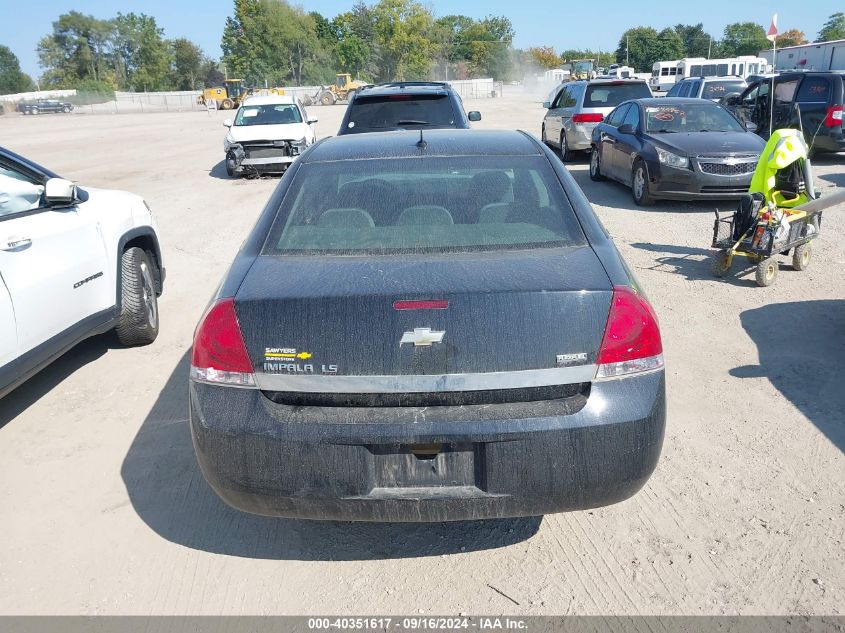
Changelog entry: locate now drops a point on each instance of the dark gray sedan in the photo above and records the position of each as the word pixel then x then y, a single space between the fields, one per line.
pixel 427 328
pixel 675 149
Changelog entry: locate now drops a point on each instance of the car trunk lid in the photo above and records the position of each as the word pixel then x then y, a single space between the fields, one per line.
pixel 336 317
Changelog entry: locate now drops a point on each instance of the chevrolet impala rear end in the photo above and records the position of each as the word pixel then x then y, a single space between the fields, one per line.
pixel 399 339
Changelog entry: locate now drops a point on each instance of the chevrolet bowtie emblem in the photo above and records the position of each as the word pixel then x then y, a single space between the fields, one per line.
pixel 422 337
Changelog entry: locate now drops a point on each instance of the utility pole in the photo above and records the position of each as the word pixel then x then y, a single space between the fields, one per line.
pixel 709 45
pixel 627 46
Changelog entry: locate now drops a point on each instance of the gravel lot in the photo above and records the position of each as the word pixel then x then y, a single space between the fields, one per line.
pixel 103 509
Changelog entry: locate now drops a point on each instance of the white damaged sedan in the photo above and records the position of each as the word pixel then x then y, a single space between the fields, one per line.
pixel 268 133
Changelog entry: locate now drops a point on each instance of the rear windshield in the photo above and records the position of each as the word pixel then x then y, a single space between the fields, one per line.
pixel 718 89
pixel 392 112
pixel 814 90
pixel 424 205
pixel 611 95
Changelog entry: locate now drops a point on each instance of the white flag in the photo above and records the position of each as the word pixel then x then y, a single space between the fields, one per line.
pixel 773 29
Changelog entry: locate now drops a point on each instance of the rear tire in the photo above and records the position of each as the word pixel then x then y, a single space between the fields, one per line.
pixel 801 256
pixel 66 110
pixel 767 272
pixel 327 98
pixel 639 185
pixel 595 166
pixel 138 320
pixel 307 101
pixel 227 104
pixel 350 96
pixel 565 153
pixel 720 266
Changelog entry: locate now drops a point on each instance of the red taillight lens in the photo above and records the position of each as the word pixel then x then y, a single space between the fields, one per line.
pixel 631 342
pixel 587 118
pixel 422 304
pixel 834 116
pixel 219 354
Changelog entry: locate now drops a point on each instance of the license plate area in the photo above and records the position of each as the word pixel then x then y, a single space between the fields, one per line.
pixel 420 466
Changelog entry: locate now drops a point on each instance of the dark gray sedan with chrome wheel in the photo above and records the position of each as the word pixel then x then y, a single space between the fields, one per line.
pixel 675 149
pixel 399 340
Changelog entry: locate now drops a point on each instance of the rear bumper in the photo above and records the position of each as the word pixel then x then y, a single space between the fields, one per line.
pixel 833 141
pixel 691 184
pixel 579 135
pixel 312 463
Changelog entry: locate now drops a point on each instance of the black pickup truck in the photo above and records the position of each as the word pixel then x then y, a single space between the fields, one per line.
pixel 43 106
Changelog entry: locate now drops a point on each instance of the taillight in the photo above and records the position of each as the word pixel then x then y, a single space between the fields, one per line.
pixel 587 118
pixel 834 116
pixel 424 304
pixel 631 342
pixel 219 355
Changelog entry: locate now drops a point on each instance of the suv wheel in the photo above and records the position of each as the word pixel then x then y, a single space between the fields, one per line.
pixel 138 320
pixel 639 185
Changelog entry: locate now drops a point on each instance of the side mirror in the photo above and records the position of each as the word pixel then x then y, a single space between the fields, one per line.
pixel 627 129
pixel 228 122
pixel 751 126
pixel 474 116
pixel 547 104
pixel 312 119
pixel 59 191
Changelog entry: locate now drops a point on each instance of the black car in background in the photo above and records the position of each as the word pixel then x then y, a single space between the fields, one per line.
pixel 812 101
pixel 675 149
pixel 409 105
pixel 468 344
pixel 44 106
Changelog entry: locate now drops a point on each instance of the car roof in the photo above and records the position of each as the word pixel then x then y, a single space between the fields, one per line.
pixel 402 87
pixel 719 78
pixel 269 100
pixel 439 142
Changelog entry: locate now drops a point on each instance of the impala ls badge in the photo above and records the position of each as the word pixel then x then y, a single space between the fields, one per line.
pixel 422 337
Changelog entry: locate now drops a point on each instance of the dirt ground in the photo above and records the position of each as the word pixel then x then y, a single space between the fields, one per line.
pixel 103 509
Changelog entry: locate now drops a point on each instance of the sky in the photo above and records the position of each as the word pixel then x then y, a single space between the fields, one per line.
pixel 563 25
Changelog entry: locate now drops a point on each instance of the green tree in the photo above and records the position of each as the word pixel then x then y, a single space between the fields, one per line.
pixel 79 48
pixel 669 46
pixel 833 29
pixel 697 42
pixel 403 29
pixel 640 47
pixel 12 79
pixel 187 68
pixel 743 38
pixel 144 56
pixel 240 33
pixel 210 74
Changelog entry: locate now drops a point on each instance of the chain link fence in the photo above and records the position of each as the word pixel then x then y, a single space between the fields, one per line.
pixel 88 102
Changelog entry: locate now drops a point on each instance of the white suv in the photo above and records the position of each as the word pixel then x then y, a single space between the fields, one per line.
pixel 73 263
pixel 268 133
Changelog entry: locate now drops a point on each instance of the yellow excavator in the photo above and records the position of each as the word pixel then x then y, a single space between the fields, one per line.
pixel 230 95
pixel 343 89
